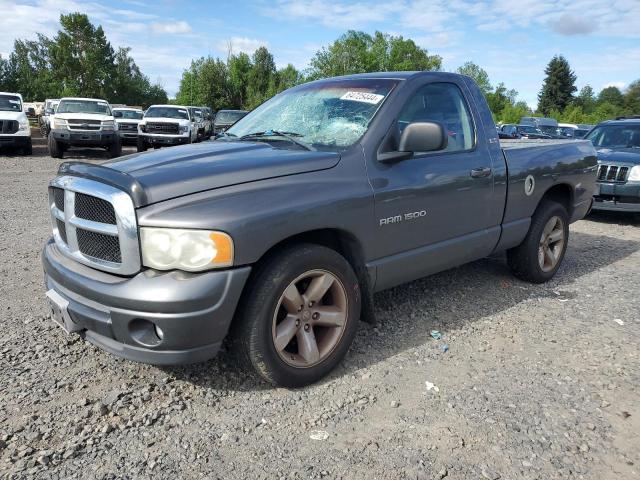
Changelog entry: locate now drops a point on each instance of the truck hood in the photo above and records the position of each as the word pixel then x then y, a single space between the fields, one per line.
pixel 19 116
pixel 622 155
pixel 177 171
pixel 83 116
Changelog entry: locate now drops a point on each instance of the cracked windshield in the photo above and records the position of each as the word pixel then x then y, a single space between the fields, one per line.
pixel 327 117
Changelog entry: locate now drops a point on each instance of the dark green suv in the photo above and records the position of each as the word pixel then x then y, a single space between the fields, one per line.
pixel 618 145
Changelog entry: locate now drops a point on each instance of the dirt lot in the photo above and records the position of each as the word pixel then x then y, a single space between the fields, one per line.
pixel 539 382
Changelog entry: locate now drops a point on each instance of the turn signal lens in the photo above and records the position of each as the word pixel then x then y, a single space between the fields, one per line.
pixel 190 250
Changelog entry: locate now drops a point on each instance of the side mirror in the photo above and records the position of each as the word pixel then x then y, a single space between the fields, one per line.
pixel 417 137
pixel 423 137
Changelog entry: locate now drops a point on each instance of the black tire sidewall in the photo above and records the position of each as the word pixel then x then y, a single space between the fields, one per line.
pixel 265 292
pixel 529 254
pixel 55 149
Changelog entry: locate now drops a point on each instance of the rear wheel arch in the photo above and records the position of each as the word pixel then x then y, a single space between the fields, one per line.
pixel 561 193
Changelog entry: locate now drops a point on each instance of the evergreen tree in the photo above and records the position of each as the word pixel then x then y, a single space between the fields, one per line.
pixel 611 95
pixel 558 87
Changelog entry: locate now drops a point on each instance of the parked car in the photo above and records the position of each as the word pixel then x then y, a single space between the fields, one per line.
pixel 281 230
pixel 197 119
pixel 166 125
pixel 226 118
pixel 50 105
pixel 523 131
pixel 128 120
pixel 618 145
pixel 15 131
pixel 546 125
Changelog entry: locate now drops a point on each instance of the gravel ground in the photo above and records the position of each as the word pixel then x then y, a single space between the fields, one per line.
pixel 539 382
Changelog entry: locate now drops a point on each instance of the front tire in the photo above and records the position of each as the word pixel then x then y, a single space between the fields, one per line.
pixel 141 145
pixel 299 315
pixel 539 256
pixel 27 150
pixel 55 148
pixel 115 149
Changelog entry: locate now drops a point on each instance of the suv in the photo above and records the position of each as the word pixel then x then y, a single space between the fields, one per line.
pixel 83 122
pixel 128 120
pixel 50 105
pixel 165 125
pixel 226 118
pixel 14 125
pixel 618 145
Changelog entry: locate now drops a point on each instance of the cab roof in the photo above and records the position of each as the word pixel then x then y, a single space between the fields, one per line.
pixel 85 99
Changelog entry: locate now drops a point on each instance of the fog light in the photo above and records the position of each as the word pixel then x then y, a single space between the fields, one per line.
pixel 145 333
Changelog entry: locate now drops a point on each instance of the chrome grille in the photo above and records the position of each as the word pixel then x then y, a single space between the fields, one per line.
pixel 96 225
pixel 612 173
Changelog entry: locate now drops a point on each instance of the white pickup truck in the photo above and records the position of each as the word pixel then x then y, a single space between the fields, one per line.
pixel 83 122
pixel 128 120
pixel 15 131
pixel 166 125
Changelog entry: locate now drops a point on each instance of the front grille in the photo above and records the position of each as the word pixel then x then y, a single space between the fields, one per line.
pixel 8 126
pixel 98 245
pixel 95 224
pixel 128 127
pixel 94 209
pixel 62 230
pixel 612 173
pixel 58 196
pixel 85 127
pixel 164 128
pixel 81 121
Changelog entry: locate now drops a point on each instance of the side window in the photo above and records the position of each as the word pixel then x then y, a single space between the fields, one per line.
pixel 442 103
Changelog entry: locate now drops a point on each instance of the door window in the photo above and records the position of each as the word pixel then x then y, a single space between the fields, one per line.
pixel 442 103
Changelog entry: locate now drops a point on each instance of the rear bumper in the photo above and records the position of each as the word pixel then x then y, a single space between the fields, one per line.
pixel 617 197
pixel 123 315
pixel 85 138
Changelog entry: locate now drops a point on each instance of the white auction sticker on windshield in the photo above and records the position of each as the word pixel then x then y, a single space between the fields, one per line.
pixel 365 97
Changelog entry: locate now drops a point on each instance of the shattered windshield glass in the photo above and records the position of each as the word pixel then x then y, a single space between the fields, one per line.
pixel 330 115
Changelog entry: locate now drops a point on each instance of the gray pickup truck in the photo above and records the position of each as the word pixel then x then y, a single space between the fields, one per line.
pixel 277 234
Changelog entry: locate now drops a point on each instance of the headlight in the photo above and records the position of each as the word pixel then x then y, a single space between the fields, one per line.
pixel 634 174
pixel 184 129
pixel 142 127
pixel 59 123
pixel 24 126
pixel 190 250
pixel 109 125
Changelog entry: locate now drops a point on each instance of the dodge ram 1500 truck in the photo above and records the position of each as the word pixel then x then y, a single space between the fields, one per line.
pixel 277 234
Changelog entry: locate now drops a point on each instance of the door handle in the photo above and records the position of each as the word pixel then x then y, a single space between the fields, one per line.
pixel 480 172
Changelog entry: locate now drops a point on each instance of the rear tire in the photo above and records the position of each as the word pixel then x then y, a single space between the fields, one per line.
pixel 299 315
pixel 141 145
pixel 539 256
pixel 55 148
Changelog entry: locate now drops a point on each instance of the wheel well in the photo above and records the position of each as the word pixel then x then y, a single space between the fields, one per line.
pixel 563 194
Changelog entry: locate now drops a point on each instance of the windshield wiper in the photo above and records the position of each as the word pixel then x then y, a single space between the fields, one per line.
pixel 276 133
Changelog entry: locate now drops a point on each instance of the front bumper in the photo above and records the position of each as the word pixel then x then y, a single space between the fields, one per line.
pixel 14 140
pixel 77 138
pixel 618 197
pixel 128 137
pixel 165 139
pixel 119 314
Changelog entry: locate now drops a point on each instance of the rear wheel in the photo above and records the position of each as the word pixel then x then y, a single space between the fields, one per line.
pixel 55 148
pixel 539 256
pixel 300 315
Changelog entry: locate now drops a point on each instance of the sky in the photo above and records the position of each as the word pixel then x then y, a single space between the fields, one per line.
pixel 512 40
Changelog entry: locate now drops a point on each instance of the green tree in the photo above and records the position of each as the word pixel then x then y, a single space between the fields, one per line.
pixel 499 99
pixel 558 87
pixel 611 95
pixel 513 112
pixel 632 98
pixel 586 100
pixel 239 67
pixel 288 77
pixel 359 52
pixel 478 74
pixel 262 78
